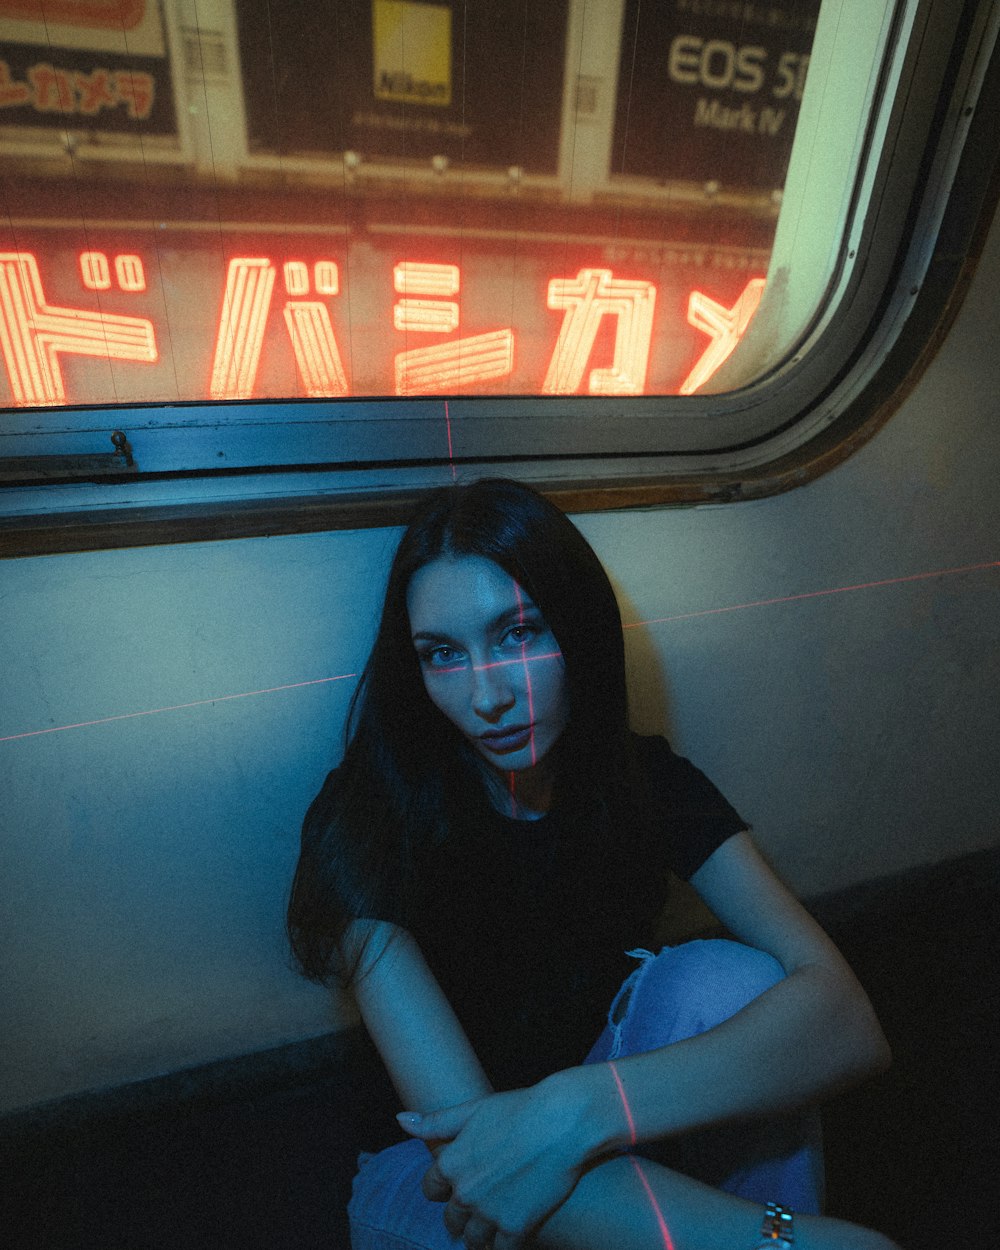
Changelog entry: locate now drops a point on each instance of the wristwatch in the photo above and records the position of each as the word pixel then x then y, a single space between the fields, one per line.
pixel 776 1232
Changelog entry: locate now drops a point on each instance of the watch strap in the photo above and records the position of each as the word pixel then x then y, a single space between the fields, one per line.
pixel 777 1230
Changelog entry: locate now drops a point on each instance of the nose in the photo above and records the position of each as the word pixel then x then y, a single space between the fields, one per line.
pixel 492 691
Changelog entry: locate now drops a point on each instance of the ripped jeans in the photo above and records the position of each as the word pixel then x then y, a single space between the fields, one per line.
pixel 679 993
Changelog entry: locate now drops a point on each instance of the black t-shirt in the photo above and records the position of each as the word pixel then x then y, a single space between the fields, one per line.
pixel 526 925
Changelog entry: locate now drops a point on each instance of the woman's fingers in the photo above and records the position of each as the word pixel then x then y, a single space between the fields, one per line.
pixel 508 1241
pixel 478 1234
pixel 435 1185
pixel 456 1216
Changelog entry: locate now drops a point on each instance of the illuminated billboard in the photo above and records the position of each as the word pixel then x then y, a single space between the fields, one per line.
pixel 100 65
pixel 401 80
pixel 120 314
pixel 382 200
pixel 709 90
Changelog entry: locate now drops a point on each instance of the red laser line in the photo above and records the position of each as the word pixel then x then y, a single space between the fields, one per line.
pixel 481 668
pixel 176 707
pixel 447 421
pixel 527 675
pixel 668 1241
pixel 628 1109
pixel 664 1231
pixel 659 620
pixel 814 594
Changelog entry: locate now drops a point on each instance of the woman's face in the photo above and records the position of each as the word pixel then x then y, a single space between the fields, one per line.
pixel 489 660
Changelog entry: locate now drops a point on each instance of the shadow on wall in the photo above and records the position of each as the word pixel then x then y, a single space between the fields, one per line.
pixel 648 693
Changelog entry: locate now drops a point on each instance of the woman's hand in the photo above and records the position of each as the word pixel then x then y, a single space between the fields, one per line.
pixel 510 1161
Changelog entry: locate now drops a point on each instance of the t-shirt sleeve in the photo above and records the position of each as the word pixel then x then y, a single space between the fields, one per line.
pixel 347 875
pixel 693 814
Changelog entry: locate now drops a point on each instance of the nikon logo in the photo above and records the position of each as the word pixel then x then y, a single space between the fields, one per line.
pixel 411 47
pixel 403 86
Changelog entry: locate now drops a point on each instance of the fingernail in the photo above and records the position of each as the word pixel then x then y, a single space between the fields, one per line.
pixel 409 1119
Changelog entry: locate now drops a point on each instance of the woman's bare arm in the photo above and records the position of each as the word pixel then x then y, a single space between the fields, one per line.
pixel 625 1202
pixel 412 1024
pixel 633 1204
pixel 622 1202
pixel 812 1033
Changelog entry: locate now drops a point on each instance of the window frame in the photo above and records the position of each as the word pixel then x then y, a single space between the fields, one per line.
pixel 913 238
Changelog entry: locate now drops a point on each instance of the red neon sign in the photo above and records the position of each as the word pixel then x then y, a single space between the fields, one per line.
pixel 33 333
pixel 442 367
pixel 48 89
pixel 726 327
pixel 589 297
pixel 243 321
pixel 411 329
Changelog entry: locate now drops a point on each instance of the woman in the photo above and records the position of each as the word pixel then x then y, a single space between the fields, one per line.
pixel 484 869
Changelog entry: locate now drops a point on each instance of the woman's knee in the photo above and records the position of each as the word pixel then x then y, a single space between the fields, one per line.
pixel 388 1210
pixel 688 989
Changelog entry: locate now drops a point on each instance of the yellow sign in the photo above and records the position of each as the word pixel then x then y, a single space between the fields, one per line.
pixel 412 52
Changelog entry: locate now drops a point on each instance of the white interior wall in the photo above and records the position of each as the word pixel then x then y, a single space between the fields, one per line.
pixel 145 860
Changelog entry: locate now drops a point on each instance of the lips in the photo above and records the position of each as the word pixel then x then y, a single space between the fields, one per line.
pixel 502 740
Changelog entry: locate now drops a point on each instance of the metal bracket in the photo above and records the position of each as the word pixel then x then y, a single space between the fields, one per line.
pixel 116 464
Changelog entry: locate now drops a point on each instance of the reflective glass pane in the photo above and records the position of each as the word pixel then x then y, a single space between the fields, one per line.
pixel 272 199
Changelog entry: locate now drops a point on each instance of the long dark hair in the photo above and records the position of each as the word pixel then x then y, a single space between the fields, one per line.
pixel 408 778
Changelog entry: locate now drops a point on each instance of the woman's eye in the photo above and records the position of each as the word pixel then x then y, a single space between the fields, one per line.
pixel 438 657
pixel 521 635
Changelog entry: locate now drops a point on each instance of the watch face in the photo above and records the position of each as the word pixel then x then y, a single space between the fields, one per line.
pixel 776 1230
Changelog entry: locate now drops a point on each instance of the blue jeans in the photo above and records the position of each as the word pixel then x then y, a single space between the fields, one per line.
pixel 679 993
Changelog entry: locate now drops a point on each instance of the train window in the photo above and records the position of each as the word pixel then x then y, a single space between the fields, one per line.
pixel 262 258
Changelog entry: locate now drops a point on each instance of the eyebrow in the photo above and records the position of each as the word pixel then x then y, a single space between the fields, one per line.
pixel 518 614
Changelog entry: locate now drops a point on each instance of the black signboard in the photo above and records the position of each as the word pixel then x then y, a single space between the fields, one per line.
pixel 79 89
pixel 397 79
pixel 709 90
